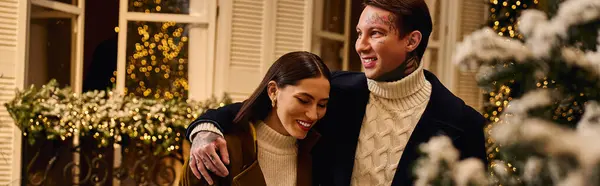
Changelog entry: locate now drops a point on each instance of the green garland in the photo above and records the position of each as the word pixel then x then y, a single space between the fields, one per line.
pixel 54 113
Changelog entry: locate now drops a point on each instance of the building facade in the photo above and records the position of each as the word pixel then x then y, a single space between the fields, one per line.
pixel 228 45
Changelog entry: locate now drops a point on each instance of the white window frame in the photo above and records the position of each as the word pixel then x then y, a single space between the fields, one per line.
pixel 447 40
pixel 201 56
pixel 77 15
pixel 199 17
pixel 441 41
pixel 452 24
pixel 319 33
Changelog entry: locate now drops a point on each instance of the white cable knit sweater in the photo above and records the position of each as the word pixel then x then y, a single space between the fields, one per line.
pixel 392 113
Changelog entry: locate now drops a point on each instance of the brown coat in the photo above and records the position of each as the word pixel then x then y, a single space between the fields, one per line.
pixel 244 168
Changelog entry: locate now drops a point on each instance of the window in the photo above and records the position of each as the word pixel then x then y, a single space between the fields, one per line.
pixel 154 44
pixel 433 57
pixel 55 43
pixel 331 33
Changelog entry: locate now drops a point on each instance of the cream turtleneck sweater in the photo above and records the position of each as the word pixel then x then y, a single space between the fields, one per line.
pixel 277 153
pixel 277 156
pixel 392 113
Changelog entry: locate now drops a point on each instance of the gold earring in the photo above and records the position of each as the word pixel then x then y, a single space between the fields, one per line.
pixel 274 102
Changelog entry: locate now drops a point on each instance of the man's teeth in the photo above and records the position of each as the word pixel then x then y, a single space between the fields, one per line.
pixel 370 59
pixel 304 124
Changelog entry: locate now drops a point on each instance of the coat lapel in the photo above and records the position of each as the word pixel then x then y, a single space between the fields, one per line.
pixel 347 134
pixel 426 128
pixel 438 119
pixel 345 154
pixel 304 174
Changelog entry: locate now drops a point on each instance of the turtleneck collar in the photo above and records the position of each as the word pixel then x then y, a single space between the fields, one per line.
pixel 273 141
pixel 405 87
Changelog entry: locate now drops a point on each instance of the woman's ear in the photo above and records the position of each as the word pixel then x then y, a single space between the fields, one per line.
pixel 272 89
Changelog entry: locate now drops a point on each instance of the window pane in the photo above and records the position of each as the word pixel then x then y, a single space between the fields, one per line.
pixel 49 48
pixel 331 53
pixel 436 20
pixel 72 2
pixel 157 60
pixel 160 6
pixel 334 15
pixel 100 45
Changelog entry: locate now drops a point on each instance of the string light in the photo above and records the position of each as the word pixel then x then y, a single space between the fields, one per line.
pixel 157 63
pixel 503 19
pixel 504 14
pixel 52 113
pixel 158 66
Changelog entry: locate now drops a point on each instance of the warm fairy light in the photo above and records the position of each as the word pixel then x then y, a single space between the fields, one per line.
pixel 503 19
pixel 504 22
pixel 158 66
pixel 104 117
pixel 157 61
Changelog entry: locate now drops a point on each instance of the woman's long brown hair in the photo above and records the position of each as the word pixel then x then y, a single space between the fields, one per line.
pixel 287 70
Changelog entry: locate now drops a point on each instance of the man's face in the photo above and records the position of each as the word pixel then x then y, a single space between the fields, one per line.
pixel 378 44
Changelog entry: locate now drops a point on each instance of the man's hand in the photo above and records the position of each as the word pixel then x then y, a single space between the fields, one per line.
pixel 203 155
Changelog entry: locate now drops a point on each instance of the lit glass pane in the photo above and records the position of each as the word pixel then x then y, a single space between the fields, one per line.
pixel 331 53
pixel 334 15
pixel 157 60
pixel 50 49
pixel 160 6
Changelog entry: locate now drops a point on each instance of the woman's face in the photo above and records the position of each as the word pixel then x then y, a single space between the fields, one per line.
pixel 299 106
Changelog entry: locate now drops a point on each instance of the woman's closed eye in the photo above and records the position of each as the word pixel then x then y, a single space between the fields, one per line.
pixel 306 102
pixel 322 105
pixel 303 101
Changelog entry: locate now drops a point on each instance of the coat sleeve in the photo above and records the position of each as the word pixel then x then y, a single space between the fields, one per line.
pixel 475 135
pixel 222 118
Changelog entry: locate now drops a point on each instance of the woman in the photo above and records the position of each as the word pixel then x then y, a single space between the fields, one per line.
pixel 271 138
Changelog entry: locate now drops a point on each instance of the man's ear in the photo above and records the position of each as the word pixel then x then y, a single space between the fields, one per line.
pixel 414 39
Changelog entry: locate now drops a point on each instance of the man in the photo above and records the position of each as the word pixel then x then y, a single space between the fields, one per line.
pixel 375 120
